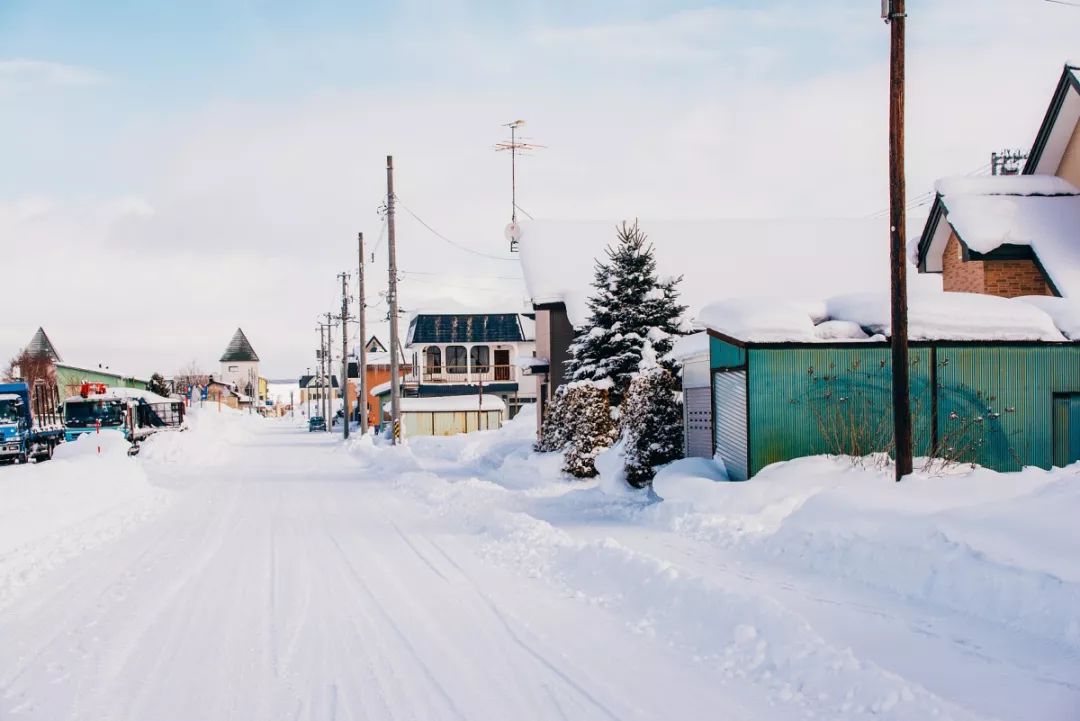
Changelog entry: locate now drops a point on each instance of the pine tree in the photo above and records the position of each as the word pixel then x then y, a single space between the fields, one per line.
pixel 589 428
pixel 157 385
pixel 630 309
pixel 652 425
pixel 553 428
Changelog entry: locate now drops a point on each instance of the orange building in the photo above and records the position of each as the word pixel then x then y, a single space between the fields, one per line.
pixel 377 373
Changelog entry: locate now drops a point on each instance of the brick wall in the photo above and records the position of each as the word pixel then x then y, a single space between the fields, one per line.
pixel 1005 278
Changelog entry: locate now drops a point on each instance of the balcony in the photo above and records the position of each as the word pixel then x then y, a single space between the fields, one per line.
pixel 474 375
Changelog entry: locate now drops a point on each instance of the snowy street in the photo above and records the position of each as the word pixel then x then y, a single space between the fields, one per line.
pixel 277 574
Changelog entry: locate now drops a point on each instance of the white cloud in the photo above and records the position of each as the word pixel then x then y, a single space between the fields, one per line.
pixel 22 72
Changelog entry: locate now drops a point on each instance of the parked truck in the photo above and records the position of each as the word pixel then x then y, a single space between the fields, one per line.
pixel 30 423
pixel 135 413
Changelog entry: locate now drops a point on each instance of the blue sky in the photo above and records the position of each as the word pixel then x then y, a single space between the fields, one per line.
pixel 240 135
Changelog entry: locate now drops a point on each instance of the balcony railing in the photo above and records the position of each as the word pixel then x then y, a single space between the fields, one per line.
pixel 464 374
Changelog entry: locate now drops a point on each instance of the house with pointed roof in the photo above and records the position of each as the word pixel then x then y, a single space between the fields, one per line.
pixel 1014 235
pixel 41 347
pixel 240 365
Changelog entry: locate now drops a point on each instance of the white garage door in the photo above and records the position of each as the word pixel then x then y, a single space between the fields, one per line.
pixel 729 414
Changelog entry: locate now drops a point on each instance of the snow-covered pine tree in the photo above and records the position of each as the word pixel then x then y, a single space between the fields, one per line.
pixel 630 307
pixel 553 428
pixel 157 385
pixel 589 428
pixel 652 425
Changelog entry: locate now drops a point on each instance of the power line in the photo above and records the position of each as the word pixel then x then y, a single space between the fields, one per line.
pixel 439 235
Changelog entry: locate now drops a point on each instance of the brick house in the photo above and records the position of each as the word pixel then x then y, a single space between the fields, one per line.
pixel 1014 235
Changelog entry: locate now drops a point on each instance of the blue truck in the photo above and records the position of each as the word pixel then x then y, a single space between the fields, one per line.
pixel 135 413
pixel 30 422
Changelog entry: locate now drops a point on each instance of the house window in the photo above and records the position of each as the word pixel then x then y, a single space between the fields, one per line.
pixel 433 359
pixel 234 369
pixel 480 358
pixel 457 360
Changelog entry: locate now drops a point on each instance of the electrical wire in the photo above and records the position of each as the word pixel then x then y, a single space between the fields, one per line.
pixel 442 237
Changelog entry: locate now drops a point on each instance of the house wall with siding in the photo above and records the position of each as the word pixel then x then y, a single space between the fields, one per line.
pixel 1069 167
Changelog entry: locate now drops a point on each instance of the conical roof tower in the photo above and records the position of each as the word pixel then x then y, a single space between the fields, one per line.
pixel 239 349
pixel 41 347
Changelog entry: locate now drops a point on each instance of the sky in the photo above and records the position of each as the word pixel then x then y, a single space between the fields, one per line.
pixel 173 171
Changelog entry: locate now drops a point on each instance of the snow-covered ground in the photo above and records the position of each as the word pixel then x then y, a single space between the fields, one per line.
pixel 249 569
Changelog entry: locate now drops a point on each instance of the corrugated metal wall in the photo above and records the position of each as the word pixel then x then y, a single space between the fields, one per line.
pixel 729 414
pixel 1066 429
pixel 996 403
pixel 725 355
pixel 807 401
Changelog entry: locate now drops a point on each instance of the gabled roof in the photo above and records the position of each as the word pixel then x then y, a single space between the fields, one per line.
pixel 239 349
pixel 315 382
pixel 465 328
pixel 1057 126
pixel 40 346
pixel 1018 216
pixel 374 345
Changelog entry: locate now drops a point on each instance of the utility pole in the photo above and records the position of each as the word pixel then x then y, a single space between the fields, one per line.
pixel 361 398
pixel 345 354
pixel 896 16
pixel 329 371
pixel 321 382
pixel 395 380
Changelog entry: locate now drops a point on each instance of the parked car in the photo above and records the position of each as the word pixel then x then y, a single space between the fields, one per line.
pixel 316 423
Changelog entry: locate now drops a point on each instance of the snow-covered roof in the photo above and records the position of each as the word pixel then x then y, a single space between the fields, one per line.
pixel 1038 211
pixel 380 389
pixel 690 346
pixel 9 396
pixel 450 404
pixel 866 316
pixel 812 258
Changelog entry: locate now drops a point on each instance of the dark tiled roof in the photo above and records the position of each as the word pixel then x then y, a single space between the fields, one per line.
pixel 312 381
pixel 40 346
pixel 374 345
pixel 239 349
pixel 466 328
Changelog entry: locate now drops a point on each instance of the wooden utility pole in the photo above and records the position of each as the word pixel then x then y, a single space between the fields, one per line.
pixel 901 396
pixel 361 398
pixel 391 239
pixel 345 354
pixel 321 379
pixel 329 370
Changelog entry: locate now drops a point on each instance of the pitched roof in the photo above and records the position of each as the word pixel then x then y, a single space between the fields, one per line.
pixel 374 345
pixel 1057 126
pixel 1035 214
pixel 239 349
pixel 314 382
pixel 465 328
pixel 40 346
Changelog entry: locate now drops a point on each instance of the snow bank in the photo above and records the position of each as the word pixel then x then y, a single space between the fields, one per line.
pixel 996 545
pixel 690 346
pixel 1065 312
pixel 210 436
pixel 53 512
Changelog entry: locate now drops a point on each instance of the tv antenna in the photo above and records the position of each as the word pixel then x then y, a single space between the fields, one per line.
pixel 515 146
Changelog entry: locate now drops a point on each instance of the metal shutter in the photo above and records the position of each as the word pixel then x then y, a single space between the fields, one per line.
pixel 697 410
pixel 729 415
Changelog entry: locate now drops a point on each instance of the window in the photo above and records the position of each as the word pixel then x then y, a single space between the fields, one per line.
pixel 457 360
pixel 480 358
pixel 433 359
pixel 234 369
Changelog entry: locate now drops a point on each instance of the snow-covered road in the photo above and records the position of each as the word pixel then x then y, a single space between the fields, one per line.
pixel 286 576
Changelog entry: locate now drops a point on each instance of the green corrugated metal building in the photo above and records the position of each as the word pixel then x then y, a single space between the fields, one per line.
pixel 1003 405
pixel 69 378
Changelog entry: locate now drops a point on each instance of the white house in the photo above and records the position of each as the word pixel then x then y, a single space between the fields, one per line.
pixel 240 365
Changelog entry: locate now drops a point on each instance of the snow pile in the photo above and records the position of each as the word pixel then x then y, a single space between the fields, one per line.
pixel 867 316
pixel 1022 185
pixel 436 404
pixel 1064 312
pixel 210 436
pixel 990 544
pixel 950 316
pixel 52 512
pixel 694 345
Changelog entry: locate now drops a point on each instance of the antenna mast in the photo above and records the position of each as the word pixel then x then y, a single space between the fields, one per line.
pixel 513 232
